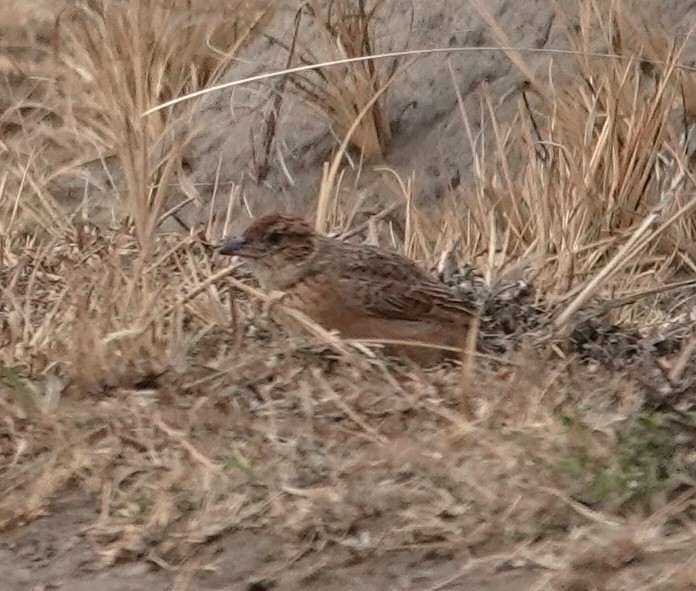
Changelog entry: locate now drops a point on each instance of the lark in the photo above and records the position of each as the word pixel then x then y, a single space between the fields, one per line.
pixel 363 292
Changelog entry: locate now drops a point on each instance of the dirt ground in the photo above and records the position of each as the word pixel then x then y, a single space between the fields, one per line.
pixel 52 553
pixel 55 550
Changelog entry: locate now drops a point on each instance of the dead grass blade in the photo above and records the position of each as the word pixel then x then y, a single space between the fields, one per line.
pixel 346 30
pixel 327 188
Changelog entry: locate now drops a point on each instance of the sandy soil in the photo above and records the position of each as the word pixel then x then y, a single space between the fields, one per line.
pixel 53 553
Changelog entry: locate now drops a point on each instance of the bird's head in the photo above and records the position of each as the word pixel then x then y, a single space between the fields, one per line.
pixel 279 248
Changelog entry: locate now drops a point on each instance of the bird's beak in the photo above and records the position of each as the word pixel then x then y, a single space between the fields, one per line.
pixel 233 247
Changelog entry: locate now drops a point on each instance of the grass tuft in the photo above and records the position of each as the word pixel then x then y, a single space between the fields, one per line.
pixel 345 30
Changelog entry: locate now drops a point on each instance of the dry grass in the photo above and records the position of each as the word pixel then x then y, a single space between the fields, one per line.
pixel 121 58
pixel 221 419
pixel 591 154
pixel 100 65
pixel 134 368
pixel 342 29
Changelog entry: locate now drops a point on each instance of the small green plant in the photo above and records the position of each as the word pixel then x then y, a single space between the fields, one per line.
pixel 622 474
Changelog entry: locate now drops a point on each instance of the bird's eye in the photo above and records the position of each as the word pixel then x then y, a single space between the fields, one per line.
pixel 274 237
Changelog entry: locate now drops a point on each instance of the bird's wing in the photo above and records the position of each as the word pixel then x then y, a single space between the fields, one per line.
pixel 390 286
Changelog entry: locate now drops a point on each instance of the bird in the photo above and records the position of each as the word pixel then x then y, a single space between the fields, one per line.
pixel 364 292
